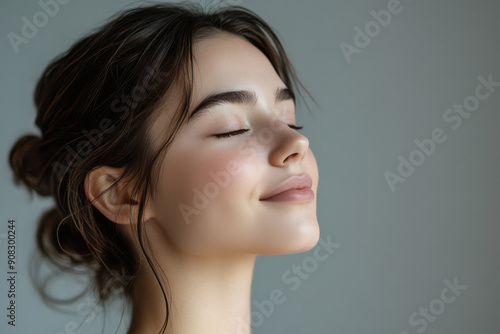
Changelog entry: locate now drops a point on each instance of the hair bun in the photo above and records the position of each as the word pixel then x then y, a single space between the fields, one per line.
pixel 27 163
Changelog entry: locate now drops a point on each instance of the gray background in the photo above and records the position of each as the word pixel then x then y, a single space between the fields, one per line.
pixel 396 247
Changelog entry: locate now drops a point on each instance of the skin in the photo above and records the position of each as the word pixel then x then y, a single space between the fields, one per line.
pixel 208 259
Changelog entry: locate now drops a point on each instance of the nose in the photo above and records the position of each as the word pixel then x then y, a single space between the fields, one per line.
pixel 289 147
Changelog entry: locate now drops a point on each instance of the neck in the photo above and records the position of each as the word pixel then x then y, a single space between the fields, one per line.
pixel 205 295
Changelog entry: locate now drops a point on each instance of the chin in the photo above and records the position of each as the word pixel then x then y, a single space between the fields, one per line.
pixel 303 238
pixel 308 237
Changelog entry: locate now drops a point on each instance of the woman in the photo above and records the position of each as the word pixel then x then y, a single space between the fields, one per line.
pixel 169 143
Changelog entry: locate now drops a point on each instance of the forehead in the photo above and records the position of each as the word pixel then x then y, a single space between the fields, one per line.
pixel 229 62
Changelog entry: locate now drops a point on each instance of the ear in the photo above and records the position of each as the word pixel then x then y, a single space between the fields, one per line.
pixel 116 204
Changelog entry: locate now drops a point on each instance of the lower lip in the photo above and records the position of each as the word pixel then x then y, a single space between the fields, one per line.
pixel 293 195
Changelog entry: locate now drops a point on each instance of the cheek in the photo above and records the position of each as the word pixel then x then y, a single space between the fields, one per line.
pixel 215 175
pixel 187 181
pixel 202 194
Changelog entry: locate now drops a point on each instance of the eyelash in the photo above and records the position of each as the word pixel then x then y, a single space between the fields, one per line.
pixel 237 132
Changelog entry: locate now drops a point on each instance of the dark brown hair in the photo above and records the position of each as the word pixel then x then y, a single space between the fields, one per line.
pixel 95 103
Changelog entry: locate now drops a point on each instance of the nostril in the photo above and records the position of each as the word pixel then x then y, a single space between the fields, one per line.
pixel 292 156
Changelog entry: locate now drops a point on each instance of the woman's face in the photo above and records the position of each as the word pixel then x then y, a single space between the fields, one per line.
pixel 208 197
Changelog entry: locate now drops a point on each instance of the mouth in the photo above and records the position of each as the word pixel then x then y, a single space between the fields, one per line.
pixel 296 188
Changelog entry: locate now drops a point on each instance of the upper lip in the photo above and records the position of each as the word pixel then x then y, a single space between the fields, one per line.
pixel 293 182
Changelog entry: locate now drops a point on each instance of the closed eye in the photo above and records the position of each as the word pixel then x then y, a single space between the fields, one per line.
pixel 238 132
pixel 232 133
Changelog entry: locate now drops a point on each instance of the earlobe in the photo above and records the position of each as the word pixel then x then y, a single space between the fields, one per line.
pixel 116 203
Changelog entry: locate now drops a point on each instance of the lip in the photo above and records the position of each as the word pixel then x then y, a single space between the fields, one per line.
pixel 295 188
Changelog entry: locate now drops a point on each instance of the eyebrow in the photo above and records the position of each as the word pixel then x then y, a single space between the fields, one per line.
pixel 237 97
